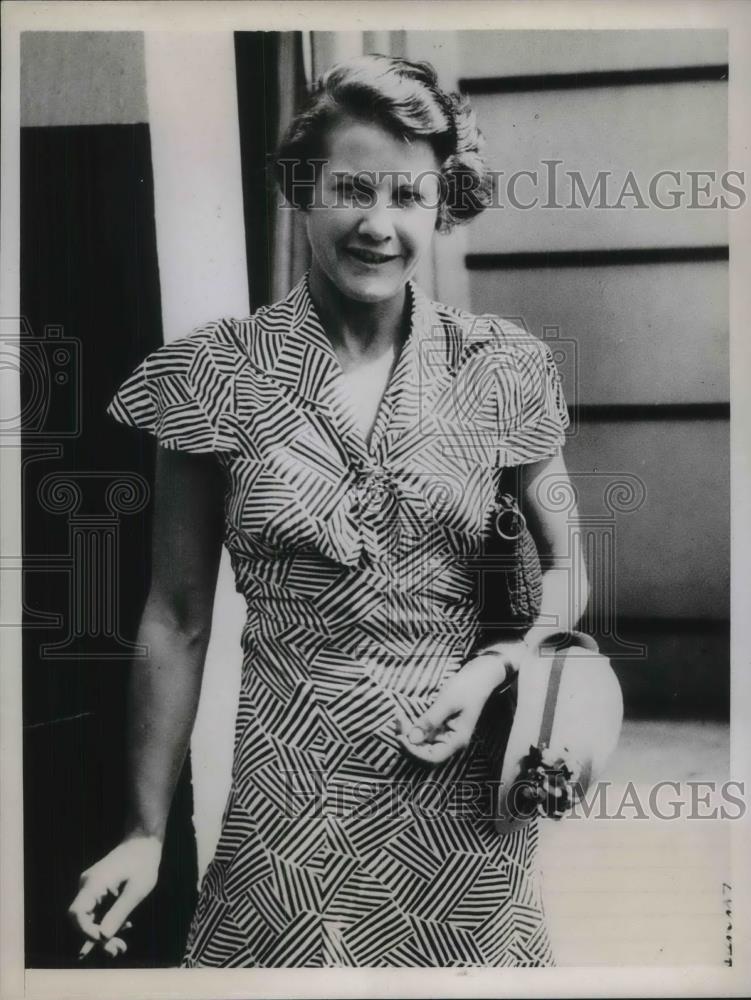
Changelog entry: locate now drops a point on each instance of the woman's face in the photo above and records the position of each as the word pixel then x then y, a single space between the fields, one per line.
pixel 375 210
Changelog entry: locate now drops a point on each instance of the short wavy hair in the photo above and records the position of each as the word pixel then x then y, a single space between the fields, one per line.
pixel 404 98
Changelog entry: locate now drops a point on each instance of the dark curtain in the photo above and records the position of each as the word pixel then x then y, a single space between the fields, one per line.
pixel 271 86
pixel 91 305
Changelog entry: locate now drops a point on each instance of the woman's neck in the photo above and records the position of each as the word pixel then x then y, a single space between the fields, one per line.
pixel 359 331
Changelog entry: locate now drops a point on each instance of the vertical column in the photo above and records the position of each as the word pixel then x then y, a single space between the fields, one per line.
pixel 93 565
pixel 596 535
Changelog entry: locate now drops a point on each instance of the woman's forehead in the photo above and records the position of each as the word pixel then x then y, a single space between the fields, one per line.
pixel 353 145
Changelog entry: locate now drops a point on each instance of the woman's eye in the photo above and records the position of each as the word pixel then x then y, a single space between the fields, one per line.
pixel 344 187
pixel 351 192
pixel 408 198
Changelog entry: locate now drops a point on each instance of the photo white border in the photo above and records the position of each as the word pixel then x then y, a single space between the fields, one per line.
pixel 209 15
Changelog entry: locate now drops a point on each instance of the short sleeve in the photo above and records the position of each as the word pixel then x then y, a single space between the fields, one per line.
pixel 183 393
pixel 532 411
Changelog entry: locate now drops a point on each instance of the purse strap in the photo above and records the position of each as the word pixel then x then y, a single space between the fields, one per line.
pixel 560 642
pixel 551 697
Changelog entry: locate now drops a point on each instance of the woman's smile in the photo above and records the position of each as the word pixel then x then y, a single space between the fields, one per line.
pixel 371 258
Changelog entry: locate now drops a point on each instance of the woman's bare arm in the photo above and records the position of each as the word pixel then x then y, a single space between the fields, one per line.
pixel 565 589
pixel 164 686
pixel 175 627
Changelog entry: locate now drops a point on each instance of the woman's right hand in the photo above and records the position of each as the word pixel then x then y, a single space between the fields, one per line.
pixel 129 872
pixel 449 724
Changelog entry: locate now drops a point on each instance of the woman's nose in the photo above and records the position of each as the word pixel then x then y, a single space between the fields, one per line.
pixel 376 222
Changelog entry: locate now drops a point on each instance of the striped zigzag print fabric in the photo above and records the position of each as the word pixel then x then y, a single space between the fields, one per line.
pixel 355 563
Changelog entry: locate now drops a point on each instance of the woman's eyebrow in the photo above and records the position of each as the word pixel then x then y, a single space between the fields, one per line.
pixel 360 176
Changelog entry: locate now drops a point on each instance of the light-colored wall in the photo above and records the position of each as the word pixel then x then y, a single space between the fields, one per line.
pixel 672 555
pixel 645 129
pixel 644 333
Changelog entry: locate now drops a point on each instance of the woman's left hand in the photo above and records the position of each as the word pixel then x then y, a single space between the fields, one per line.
pixel 449 723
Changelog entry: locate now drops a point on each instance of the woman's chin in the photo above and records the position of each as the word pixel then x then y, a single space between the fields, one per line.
pixel 372 287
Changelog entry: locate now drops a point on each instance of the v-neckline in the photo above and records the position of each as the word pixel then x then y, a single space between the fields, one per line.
pixel 381 369
pixel 366 448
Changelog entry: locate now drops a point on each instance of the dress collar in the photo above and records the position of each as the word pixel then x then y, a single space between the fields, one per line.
pixel 305 362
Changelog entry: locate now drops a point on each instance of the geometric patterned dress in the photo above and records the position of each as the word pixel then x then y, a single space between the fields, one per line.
pixel 356 564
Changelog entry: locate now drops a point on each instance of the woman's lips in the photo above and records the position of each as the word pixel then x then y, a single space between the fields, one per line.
pixel 371 257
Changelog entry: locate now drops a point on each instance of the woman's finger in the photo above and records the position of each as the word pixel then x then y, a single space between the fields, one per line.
pixel 115 946
pixel 86 924
pixel 435 720
pixel 413 748
pixel 433 752
pixel 113 919
pixel 438 752
pixel 415 732
pixel 81 912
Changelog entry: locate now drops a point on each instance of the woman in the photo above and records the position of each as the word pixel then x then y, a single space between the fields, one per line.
pixel 346 445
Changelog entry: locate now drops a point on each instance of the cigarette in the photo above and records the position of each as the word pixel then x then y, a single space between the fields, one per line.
pixel 85 949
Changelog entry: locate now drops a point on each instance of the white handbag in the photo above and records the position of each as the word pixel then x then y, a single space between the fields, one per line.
pixel 566 725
